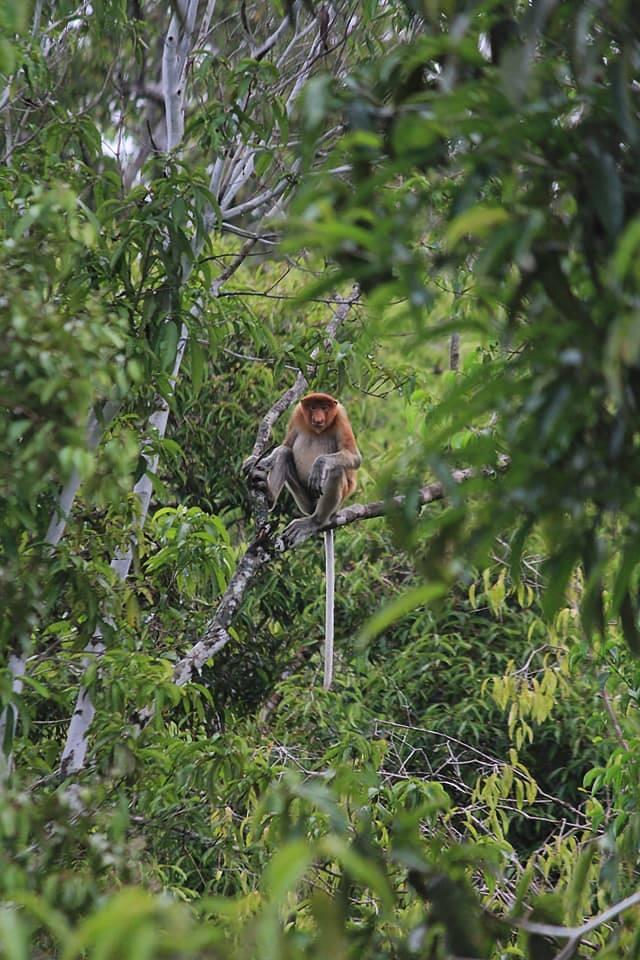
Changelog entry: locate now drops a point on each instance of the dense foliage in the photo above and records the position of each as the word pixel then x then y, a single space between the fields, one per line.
pixel 188 193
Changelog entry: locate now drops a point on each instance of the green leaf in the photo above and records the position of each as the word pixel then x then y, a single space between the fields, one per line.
pixel 629 621
pixel 398 608
pixel 624 256
pixel 607 194
pixel 13 935
pixel 578 885
pixel 477 222
pixel 364 870
pixel 315 100
pixel 286 868
pixel 168 344
pixel 197 357
pixel 558 569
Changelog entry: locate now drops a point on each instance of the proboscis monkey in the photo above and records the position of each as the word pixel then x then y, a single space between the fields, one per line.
pixel 317 463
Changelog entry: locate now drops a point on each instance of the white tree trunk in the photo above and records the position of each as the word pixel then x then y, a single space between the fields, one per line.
pixel 55 532
pixel 226 180
pixel 75 749
pixel 177 46
pixel 95 429
pixel 9 717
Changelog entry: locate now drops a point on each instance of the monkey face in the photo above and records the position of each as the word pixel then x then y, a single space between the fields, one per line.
pixel 320 411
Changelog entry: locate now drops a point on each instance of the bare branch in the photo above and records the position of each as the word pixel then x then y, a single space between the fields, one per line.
pixel 233 266
pixel 262 198
pixel 271 41
pixel 575 934
pixel 215 637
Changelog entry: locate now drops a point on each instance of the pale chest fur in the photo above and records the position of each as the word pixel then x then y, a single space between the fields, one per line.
pixel 306 448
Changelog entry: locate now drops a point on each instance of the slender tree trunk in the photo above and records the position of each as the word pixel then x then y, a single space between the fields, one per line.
pixel 55 531
pixel 9 717
pixel 95 430
pixel 177 47
pixel 225 182
pixel 454 352
pixel 75 748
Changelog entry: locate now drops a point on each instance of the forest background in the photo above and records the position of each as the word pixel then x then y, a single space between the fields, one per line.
pixel 430 209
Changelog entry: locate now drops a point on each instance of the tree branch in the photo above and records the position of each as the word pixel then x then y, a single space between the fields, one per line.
pixel 265 548
pixel 575 934
pixel 615 723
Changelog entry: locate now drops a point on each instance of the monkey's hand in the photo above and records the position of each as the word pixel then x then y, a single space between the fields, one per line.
pixel 257 470
pixel 321 471
pixel 248 465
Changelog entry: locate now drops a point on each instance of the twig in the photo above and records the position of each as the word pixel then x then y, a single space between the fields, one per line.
pixel 233 266
pixel 575 934
pixel 615 723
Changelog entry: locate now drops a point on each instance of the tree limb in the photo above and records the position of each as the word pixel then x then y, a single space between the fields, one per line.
pixel 265 548
pixel 575 934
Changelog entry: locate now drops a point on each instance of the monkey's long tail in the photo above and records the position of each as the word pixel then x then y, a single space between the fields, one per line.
pixel 330 575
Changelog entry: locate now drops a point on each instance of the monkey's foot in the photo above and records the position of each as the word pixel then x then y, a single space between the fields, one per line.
pixel 298 531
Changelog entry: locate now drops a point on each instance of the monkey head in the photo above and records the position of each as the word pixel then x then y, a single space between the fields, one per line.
pixel 320 410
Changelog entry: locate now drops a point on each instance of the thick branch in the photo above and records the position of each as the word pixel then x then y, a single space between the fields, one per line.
pixel 265 548
pixel 215 636
pixel 367 511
